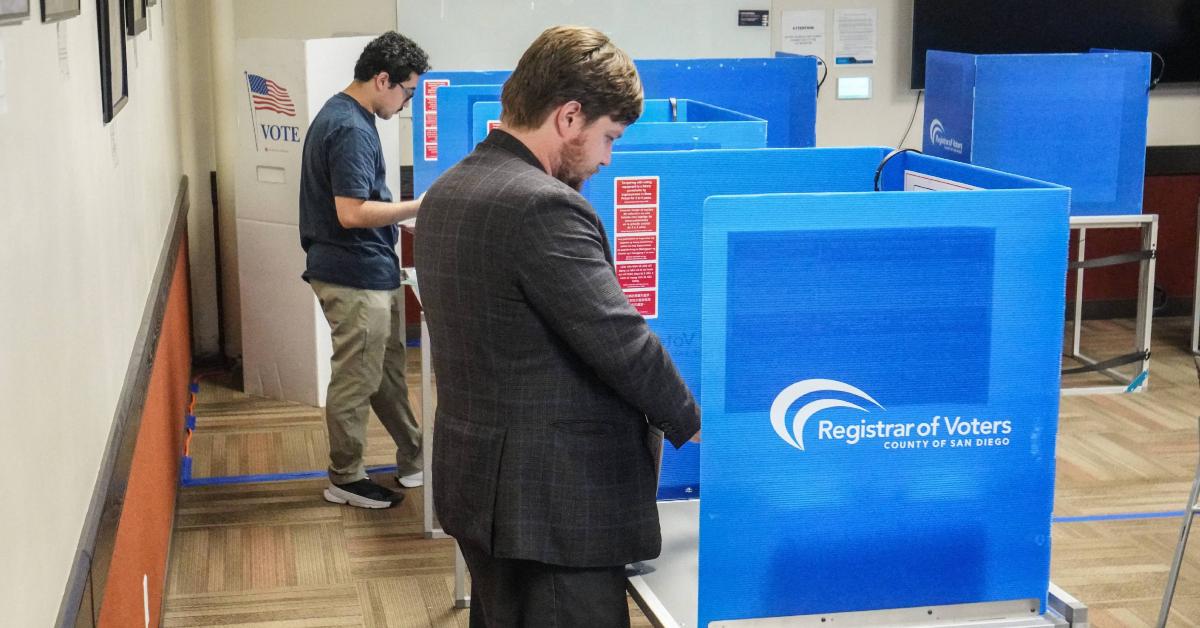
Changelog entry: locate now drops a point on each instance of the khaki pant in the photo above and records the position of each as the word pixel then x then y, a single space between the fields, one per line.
pixel 368 373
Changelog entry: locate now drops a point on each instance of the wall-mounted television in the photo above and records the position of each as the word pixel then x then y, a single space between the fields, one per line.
pixel 1170 28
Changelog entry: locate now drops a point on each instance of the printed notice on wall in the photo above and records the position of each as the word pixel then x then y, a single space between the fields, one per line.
pixel 917 182
pixel 635 201
pixel 854 36
pixel 803 33
pixel 429 116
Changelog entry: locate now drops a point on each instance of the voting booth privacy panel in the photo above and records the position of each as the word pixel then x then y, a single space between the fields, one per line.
pixel 665 124
pixel 880 377
pixel 781 91
pixel 1078 120
pixel 651 206
pixel 283 84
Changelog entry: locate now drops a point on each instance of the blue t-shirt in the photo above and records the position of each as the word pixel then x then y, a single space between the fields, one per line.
pixel 343 157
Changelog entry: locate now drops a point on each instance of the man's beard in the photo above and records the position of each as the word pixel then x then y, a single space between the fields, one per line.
pixel 570 165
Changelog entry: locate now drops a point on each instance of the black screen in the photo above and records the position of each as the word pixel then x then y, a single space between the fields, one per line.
pixel 1169 27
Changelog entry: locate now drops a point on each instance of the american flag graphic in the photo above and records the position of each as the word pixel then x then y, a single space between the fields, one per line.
pixel 269 95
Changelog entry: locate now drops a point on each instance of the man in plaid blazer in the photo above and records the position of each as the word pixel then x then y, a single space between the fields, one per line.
pixel 548 380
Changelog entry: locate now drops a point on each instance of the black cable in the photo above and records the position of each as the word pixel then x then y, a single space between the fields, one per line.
pixel 1162 67
pixel 879 169
pixel 916 105
pixel 825 75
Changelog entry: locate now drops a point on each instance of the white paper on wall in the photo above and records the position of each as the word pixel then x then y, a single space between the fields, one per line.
pixel 803 32
pixel 920 182
pixel 855 33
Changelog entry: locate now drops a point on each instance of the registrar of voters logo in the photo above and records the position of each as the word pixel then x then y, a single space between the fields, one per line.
pixel 814 398
pixel 939 138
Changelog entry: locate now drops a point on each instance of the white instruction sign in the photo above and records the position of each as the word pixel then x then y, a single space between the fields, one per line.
pixel 803 33
pixel 855 32
pixel 918 182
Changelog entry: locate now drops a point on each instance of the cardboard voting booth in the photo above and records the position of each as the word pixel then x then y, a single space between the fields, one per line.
pixel 285 339
pixel 1078 120
pixel 781 91
pixel 879 377
pixel 665 124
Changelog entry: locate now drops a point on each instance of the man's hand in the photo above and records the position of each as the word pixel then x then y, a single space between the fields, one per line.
pixel 410 225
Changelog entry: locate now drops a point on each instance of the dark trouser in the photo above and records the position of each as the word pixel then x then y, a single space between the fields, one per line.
pixel 509 593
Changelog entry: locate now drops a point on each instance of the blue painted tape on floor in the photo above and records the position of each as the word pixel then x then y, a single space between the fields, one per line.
pixel 272 477
pixel 1120 517
pixel 1137 381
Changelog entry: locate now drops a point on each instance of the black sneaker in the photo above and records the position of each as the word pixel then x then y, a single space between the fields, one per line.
pixel 364 493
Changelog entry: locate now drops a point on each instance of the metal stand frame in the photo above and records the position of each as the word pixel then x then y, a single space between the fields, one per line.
pixel 1189 514
pixel 1148 225
pixel 666 589
pixel 462 598
pixel 1196 291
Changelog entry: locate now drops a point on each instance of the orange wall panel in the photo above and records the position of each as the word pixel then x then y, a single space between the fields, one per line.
pixel 143 534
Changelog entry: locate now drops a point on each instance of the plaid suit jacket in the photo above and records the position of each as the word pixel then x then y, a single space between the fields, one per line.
pixel 547 378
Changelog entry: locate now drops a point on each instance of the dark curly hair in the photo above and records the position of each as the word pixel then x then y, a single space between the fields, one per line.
pixel 393 53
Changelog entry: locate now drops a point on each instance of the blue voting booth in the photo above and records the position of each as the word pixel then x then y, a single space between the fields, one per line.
pixel 1075 119
pixel 664 125
pixel 656 199
pixel 879 375
pixel 781 91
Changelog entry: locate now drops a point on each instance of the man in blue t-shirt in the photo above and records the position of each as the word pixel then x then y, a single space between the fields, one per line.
pixel 348 228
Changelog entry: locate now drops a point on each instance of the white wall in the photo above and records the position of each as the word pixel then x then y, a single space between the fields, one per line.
pixel 492 34
pixel 1174 111
pixel 84 209
pixel 198 151
pixel 287 19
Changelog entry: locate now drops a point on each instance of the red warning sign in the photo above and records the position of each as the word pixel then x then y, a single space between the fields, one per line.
pixel 637 219
pixel 635 208
pixel 429 116
pixel 637 191
pixel 431 87
pixel 637 275
pixel 644 301
pixel 639 248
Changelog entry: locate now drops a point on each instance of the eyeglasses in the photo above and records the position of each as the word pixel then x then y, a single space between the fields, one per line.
pixel 408 91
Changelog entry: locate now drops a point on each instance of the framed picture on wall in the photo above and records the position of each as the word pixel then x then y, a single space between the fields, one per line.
pixel 13 11
pixel 114 76
pixel 135 16
pixel 58 10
